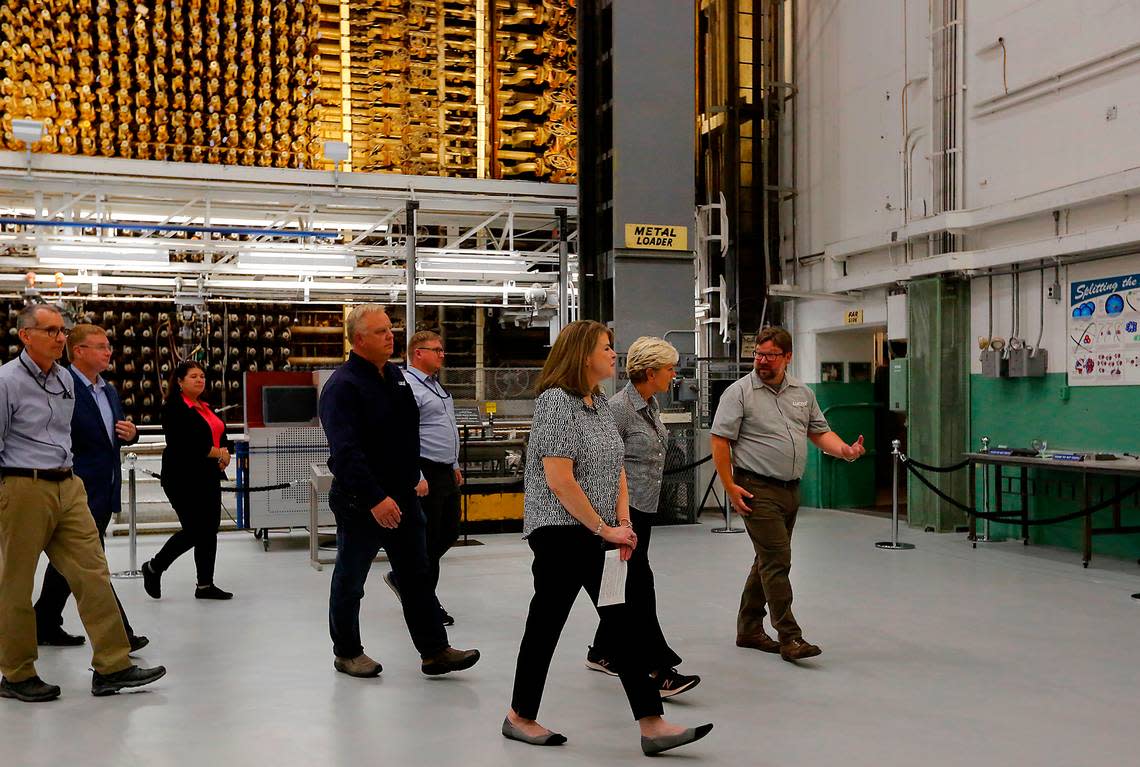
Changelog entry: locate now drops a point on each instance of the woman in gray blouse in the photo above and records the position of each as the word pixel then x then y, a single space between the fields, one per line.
pixel 575 494
pixel 650 364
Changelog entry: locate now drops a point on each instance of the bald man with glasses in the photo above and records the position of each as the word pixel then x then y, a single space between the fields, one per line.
pixel 43 509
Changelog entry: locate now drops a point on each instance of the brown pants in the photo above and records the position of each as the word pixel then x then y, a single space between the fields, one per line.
pixel 770 527
pixel 52 517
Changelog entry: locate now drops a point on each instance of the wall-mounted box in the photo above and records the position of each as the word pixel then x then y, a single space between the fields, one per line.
pixel 898 381
pixel 897 329
pixel 1023 363
pixel 994 365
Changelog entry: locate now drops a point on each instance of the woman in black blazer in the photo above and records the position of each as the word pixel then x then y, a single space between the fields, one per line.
pixel 193 465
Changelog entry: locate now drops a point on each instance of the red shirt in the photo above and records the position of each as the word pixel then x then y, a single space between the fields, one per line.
pixel 217 428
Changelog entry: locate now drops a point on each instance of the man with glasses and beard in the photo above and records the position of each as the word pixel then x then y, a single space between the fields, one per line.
pixel 43 508
pixel 759 447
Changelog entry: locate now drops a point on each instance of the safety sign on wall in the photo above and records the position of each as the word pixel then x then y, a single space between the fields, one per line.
pixel 1104 326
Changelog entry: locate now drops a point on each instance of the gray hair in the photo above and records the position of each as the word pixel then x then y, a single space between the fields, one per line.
pixel 27 316
pixel 649 353
pixel 357 315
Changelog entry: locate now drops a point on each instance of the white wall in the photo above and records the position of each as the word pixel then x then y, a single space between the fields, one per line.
pixel 1040 149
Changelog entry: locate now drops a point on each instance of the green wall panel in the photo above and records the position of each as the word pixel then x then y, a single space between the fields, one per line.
pixel 1016 411
pixel 831 483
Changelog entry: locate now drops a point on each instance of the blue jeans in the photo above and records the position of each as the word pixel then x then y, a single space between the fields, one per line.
pixel 358 539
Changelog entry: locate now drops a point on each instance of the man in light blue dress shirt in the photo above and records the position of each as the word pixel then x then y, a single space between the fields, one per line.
pixel 439 453
pixel 43 509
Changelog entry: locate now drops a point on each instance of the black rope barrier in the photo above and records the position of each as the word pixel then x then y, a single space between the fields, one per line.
pixel 937 469
pixel 234 488
pixel 688 466
pixel 1018 520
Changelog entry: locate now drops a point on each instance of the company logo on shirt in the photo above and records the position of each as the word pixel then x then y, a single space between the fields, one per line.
pixel 800 404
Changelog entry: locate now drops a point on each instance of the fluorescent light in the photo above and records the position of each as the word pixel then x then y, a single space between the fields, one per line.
pixel 108 254
pixel 273 261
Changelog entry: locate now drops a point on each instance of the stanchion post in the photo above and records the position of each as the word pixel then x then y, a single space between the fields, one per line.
pixel 132 460
pixel 893 544
pixel 728 528
pixel 986 537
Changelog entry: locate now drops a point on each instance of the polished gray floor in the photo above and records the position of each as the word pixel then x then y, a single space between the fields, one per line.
pixel 939 656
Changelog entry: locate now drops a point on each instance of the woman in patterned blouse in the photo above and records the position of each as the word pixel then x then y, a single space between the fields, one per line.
pixel 650 364
pixel 575 493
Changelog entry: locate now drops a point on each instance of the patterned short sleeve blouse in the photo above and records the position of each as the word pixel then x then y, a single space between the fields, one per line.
pixel 565 426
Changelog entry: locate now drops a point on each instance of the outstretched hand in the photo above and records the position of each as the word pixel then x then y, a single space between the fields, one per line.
pixel 854 450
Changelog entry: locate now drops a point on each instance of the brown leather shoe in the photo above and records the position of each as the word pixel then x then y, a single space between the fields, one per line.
pixel 760 641
pixel 361 666
pixel 449 659
pixel 798 649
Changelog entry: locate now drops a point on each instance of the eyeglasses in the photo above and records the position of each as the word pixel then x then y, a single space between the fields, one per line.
pixel 436 349
pixel 768 356
pixel 96 347
pixel 53 332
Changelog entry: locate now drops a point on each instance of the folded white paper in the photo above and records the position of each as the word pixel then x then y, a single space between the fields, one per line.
pixel 612 591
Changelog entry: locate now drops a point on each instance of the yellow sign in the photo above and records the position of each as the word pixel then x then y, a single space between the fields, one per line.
pixel 491 407
pixel 853 317
pixel 656 237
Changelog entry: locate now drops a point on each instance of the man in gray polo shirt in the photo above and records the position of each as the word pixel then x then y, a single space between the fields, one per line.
pixel 759 446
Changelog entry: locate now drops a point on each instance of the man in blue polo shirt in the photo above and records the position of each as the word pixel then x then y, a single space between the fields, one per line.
pixel 370 418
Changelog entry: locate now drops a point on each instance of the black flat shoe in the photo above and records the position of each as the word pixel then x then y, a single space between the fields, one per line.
pixel 60 638
pixel 211 592
pixel 132 676
pixel 514 733
pixel 447 619
pixel 138 642
pixel 655 746
pixel 152 581
pixel 31 690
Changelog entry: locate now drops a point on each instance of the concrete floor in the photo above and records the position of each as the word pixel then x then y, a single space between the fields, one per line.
pixel 939 656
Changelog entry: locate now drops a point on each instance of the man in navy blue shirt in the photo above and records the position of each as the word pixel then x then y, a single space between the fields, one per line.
pixel 370 418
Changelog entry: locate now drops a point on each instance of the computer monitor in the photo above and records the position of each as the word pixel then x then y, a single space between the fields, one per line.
pixel 289 405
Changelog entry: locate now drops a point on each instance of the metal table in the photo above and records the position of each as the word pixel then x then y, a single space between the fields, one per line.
pixel 1123 467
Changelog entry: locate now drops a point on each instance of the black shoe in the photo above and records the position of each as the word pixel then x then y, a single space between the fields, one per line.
pixel 595 662
pixel 31 690
pixel 390 580
pixel 132 676
pixel 447 619
pixel 670 682
pixel 655 746
pixel 152 581
pixel 211 592
pixel 138 642
pixel 449 659
pixel 59 638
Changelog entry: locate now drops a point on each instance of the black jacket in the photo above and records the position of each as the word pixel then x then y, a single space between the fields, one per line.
pixel 372 425
pixel 186 457
pixel 95 453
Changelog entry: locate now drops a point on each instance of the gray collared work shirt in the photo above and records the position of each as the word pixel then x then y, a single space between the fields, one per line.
pixel 646 439
pixel 769 427
pixel 35 415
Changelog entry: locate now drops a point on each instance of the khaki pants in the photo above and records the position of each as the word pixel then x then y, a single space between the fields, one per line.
pixel 52 517
pixel 770 527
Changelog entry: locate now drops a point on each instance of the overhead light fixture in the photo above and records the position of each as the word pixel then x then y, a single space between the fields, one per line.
pixel 273 261
pixel 104 254
pixel 28 131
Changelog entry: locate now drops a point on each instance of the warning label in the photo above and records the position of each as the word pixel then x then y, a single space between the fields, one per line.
pixel 656 237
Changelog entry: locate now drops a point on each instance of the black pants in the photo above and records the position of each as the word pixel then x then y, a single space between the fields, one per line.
pixel 441 510
pixel 566 560
pixel 199 510
pixel 642 598
pixel 55 591
pixel 358 539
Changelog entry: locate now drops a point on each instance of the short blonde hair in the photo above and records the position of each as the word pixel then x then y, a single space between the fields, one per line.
pixel 81 333
pixel 649 353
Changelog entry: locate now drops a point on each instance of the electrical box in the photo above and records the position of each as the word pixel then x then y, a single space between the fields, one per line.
pixel 898 381
pixel 994 365
pixel 1023 363
pixel 897 329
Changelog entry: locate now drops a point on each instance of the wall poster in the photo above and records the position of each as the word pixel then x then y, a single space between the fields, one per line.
pixel 1104 324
